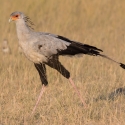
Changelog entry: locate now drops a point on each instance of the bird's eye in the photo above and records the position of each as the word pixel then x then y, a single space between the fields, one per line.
pixel 17 16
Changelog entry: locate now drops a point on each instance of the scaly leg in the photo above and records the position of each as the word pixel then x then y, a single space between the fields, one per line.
pixel 76 90
pixel 41 93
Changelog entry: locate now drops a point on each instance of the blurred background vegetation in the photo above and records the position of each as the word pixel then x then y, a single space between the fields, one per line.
pixel 100 23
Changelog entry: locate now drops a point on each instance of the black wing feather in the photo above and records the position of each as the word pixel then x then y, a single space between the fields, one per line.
pixel 78 48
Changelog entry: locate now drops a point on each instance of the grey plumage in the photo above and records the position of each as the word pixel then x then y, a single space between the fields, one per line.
pixel 45 48
pixel 39 47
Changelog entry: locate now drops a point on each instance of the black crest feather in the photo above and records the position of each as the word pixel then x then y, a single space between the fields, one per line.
pixel 29 23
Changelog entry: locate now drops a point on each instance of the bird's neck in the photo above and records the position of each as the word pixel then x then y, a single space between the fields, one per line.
pixel 23 31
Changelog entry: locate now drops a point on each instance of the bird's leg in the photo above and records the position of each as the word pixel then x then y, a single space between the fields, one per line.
pixel 41 93
pixel 76 90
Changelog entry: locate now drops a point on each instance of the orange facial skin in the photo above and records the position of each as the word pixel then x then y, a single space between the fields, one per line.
pixel 15 17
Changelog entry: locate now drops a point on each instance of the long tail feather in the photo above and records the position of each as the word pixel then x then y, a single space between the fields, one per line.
pixel 121 64
pixel 79 48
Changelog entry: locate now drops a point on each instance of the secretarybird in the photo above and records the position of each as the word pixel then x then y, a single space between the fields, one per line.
pixel 45 48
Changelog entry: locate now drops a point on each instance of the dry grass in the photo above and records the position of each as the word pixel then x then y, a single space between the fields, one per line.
pixel 98 23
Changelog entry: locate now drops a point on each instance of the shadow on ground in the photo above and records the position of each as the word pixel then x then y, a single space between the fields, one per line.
pixel 112 95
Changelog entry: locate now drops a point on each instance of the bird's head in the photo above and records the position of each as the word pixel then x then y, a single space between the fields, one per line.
pixel 16 16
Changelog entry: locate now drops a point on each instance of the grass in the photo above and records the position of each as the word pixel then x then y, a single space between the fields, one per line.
pixel 98 23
